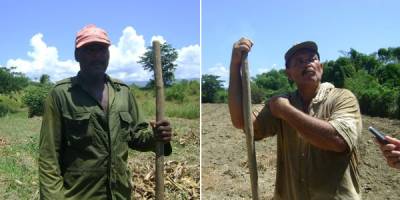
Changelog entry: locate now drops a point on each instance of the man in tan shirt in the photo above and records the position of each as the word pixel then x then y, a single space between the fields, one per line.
pixel 317 127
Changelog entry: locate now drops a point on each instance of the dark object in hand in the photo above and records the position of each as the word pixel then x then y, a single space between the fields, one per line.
pixel 379 136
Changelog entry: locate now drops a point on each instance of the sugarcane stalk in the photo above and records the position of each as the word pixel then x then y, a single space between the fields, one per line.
pixel 248 127
pixel 159 116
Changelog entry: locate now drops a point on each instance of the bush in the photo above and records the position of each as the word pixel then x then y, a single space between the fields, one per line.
pixel 11 81
pixel 8 105
pixel 374 99
pixel 258 95
pixel 34 97
pixel 182 100
pixel 194 88
pixel 182 91
pixel 176 92
pixel 380 102
pixel 222 96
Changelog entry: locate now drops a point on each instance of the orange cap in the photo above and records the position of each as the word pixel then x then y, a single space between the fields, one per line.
pixel 89 34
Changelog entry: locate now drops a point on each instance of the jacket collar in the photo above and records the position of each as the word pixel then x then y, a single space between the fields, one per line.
pixel 77 81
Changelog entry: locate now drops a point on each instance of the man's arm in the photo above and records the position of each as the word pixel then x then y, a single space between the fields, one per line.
pixel 50 179
pixel 143 137
pixel 318 132
pixel 235 82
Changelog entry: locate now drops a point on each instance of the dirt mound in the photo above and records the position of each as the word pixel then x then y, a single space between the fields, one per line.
pixel 224 159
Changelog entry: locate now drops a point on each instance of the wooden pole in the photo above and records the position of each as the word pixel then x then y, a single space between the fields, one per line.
pixel 159 116
pixel 248 127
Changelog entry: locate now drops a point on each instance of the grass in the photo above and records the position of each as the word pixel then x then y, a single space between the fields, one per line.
pixel 18 152
pixel 10 103
pixel 188 109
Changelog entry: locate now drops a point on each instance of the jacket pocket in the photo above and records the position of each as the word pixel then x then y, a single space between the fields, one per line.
pixel 126 125
pixel 78 130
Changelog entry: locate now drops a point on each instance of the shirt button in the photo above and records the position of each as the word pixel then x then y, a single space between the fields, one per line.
pixel 302 154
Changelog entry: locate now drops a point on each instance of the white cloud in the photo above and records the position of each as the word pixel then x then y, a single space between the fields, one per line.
pixel 159 38
pixel 219 70
pixel 188 62
pixel 43 60
pixel 267 69
pixel 124 55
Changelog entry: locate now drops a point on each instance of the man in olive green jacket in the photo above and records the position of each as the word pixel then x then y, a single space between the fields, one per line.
pixel 89 123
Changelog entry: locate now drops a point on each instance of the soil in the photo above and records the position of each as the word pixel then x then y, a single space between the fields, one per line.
pixel 225 173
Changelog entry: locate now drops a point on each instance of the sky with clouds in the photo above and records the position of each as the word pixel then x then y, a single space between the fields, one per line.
pixel 275 25
pixel 39 37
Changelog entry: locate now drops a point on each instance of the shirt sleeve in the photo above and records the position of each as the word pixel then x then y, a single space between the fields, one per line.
pixel 265 124
pixel 346 118
pixel 50 178
pixel 142 136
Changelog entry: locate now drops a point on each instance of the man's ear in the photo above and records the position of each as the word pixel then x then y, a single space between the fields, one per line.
pixel 288 74
pixel 77 54
pixel 322 67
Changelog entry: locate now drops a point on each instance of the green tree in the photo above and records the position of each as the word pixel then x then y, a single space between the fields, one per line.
pixel 373 78
pixel 384 55
pixel 389 75
pixel 395 53
pixel 45 79
pixel 271 83
pixel 374 98
pixel 210 85
pixel 222 96
pixel 363 61
pixel 337 71
pixel 258 95
pixel 11 81
pixel 168 57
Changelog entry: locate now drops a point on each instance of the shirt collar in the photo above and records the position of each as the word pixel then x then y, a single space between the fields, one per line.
pixel 322 94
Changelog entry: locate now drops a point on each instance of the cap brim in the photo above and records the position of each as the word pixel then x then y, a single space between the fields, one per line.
pixel 92 40
pixel 304 45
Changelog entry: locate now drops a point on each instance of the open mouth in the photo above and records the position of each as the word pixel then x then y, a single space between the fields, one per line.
pixel 308 72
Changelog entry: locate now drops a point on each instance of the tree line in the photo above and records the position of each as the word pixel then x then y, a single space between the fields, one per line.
pixel 18 91
pixel 373 78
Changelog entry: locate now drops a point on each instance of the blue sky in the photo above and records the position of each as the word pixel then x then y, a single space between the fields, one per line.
pixel 274 26
pixel 39 35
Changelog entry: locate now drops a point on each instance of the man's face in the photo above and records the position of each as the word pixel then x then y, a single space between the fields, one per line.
pixel 93 58
pixel 305 68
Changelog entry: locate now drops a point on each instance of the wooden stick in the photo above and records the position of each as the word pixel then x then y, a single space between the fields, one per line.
pixel 248 127
pixel 159 116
